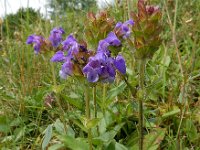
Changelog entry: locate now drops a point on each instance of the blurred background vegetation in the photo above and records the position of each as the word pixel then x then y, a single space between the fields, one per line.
pixel 172 106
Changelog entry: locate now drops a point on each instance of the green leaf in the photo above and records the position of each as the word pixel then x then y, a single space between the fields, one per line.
pixel 108 136
pixel 58 88
pixel 74 144
pixel 191 130
pixel 73 101
pixel 47 137
pixel 171 113
pixel 119 146
pixel 153 140
pixel 113 145
pixel 70 132
pixel 16 122
pixel 79 124
pixel 4 124
pixel 166 61
pixel 59 126
pixel 114 92
pixel 19 133
pixel 56 147
pixel 92 123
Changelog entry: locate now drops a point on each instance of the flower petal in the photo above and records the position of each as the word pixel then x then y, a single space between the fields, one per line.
pixel 92 76
pixel 112 39
pixel 120 64
pixel 58 57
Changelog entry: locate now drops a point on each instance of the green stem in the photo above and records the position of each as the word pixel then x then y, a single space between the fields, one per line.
pixel 104 97
pixel 56 95
pixel 53 74
pixel 87 113
pixel 142 64
pixel 95 105
pixel 95 101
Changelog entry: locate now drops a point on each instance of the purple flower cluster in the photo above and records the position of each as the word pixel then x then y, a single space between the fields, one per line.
pixel 56 36
pixel 37 41
pixel 71 45
pixel 70 48
pixel 99 67
pixel 123 29
pixel 102 67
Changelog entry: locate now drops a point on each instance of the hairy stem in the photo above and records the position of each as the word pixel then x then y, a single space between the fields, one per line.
pixel 95 104
pixel 142 64
pixel 87 113
pixel 57 95
pixel 95 101
pixel 104 97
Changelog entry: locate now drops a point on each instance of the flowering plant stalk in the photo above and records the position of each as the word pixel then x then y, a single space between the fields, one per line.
pixel 141 96
pixel 105 61
pixel 146 41
pixel 87 114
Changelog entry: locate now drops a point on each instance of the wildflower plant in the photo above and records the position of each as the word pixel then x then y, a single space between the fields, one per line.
pixel 145 42
pixel 146 30
pixel 103 59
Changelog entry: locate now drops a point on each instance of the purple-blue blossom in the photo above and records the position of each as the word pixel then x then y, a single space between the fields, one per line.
pixel 124 29
pixel 103 68
pixel 112 39
pixel 71 45
pixel 36 40
pixel 66 69
pixel 68 56
pixel 120 64
pixel 100 67
pixel 59 56
pixel 56 36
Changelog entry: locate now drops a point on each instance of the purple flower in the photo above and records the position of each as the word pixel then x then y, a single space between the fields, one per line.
pixel 59 57
pixel 129 22
pixel 67 66
pixel 56 36
pixel 92 73
pixel 120 64
pixel 66 69
pixel 100 67
pixel 36 40
pixel 112 39
pixel 71 45
pixel 103 46
pixel 124 28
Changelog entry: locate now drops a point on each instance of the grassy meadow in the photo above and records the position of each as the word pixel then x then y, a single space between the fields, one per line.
pixel 39 110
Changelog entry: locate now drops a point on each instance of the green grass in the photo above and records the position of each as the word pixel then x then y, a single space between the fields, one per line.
pixel 171 108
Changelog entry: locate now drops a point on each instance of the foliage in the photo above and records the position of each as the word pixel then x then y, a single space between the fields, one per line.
pixel 62 6
pixel 16 22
